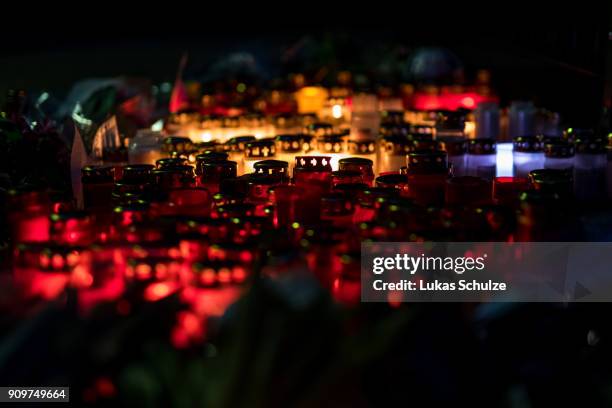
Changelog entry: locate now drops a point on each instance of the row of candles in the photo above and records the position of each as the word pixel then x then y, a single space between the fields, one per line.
pixel 200 219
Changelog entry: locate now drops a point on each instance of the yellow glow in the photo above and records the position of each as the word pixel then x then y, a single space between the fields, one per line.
pixel 311 99
pixel 470 129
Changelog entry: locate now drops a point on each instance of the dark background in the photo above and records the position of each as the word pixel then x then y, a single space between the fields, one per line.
pixel 553 55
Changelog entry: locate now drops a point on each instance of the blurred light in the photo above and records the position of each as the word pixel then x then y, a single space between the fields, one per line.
pixel 157 291
pixel 158 126
pixel 504 160
pixel 166 87
pixel 337 111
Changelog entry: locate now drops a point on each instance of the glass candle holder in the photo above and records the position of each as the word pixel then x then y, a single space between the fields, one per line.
pixel 43 271
pixel 276 168
pixel 360 149
pixel 363 165
pixel 392 151
pixel 487 120
pixel 450 123
pixel 259 186
pixel 521 118
pixel 137 173
pixel 313 172
pixel 214 285
pixel 208 157
pixel 422 142
pixel 427 171
pixel 481 158
pixel 289 146
pixel 394 117
pixel 235 147
pixel 333 146
pixel 423 130
pixel 257 151
pixel 128 191
pixel 507 190
pixel 288 205
pixel 393 180
pixel 169 162
pixel 345 177
pixel 351 190
pixel 337 209
pixel 468 190
pixel 456 150
pixel 320 129
pixel 177 146
pixel 97 187
pixel 553 182
pixel 189 201
pixel 559 154
pixel 590 167
pixel 365 209
pixel 73 228
pixel 174 177
pixel 527 154
pixel 213 173
pixel 545 216
pixel 390 129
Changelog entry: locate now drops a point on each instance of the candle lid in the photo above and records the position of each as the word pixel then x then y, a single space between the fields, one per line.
pixel 137 172
pixel 482 146
pixel 391 180
pixel 528 144
pixel 427 161
pixel 361 146
pixel 291 143
pixel 558 148
pixel 422 130
pixel 170 162
pixel 453 145
pixel 395 144
pixel 260 148
pixel 313 163
pixel 216 170
pixel 555 181
pixel 178 144
pixel 238 143
pixel 590 145
pixel 211 155
pixel 271 166
pixel 97 174
pixel 392 116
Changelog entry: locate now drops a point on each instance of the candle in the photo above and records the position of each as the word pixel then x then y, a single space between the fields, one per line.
pixel 527 155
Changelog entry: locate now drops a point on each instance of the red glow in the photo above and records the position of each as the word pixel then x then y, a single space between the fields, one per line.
pixel 449 101
pixel 246 256
pixel 105 387
pixel 159 290
pixel 224 275
pixel 57 262
pixel 239 274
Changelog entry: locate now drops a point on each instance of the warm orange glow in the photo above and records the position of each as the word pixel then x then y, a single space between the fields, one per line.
pixel 143 271
pixel 239 274
pixel 81 278
pixel 159 290
pixel 224 275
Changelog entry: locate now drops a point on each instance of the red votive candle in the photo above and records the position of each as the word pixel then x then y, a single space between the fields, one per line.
pixel 507 190
pixel 467 190
pixel 360 164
